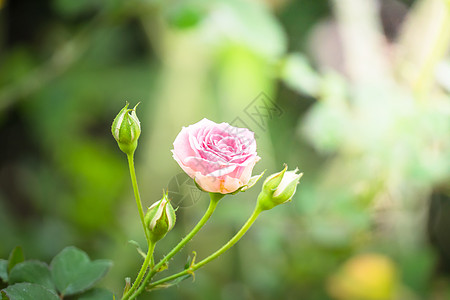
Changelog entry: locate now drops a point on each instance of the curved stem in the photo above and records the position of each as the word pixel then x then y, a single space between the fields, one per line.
pixel 145 264
pixel 214 200
pixel 136 193
pixel 216 254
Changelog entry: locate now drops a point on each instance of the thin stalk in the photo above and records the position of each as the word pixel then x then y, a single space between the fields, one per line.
pixel 214 200
pixel 148 260
pixel 136 193
pixel 216 254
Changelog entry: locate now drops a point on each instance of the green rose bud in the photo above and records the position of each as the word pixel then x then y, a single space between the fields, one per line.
pixel 278 188
pixel 273 181
pixel 126 129
pixel 160 219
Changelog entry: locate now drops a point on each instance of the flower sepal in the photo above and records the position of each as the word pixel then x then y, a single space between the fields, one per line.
pixel 252 181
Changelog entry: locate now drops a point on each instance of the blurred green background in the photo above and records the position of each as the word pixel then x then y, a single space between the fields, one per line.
pixel 356 93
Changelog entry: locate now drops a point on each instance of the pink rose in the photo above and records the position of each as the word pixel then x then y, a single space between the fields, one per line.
pixel 219 157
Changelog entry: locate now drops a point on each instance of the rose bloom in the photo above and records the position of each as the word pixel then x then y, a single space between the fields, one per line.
pixel 219 157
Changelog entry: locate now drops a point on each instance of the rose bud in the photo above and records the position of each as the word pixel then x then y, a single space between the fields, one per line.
pixel 126 129
pixel 278 188
pixel 219 157
pixel 160 219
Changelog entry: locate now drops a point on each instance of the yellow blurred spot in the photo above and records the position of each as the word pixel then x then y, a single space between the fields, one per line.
pixel 364 277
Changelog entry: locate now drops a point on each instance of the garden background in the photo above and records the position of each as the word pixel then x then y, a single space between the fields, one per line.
pixel 356 93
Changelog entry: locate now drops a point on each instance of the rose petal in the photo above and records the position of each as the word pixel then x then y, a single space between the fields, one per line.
pixel 219 156
pixel 182 146
pixel 244 172
pixel 207 167
pixel 223 185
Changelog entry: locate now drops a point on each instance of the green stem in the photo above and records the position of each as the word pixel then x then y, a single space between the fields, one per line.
pixel 216 254
pixel 212 206
pixel 137 282
pixel 136 193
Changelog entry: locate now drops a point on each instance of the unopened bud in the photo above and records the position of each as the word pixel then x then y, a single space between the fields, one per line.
pixel 160 219
pixel 274 180
pixel 126 129
pixel 278 188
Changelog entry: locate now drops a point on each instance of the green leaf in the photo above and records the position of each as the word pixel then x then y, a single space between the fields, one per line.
pixel 4 270
pixel 190 261
pixel 28 291
pixel 96 294
pixel 32 272
pixel 73 272
pixel 15 257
